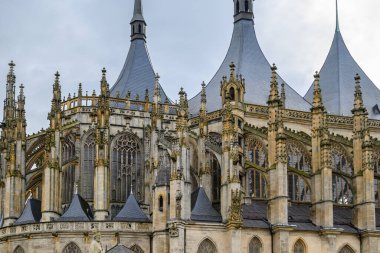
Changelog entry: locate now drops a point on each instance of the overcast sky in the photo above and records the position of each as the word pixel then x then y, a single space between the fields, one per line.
pixel 187 41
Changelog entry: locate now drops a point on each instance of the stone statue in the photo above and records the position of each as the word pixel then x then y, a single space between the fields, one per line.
pixel 96 246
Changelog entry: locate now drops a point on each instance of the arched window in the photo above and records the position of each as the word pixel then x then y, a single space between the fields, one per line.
pixel 297 157
pixel 342 192
pixel 133 29
pixel 232 94
pixel 216 172
pixel 346 249
pixel 137 249
pixel 237 7
pixel 19 249
pixel 140 28
pixel 71 248
pixel 255 246
pixel 340 162
pixel 246 6
pixel 257 184
pixel 298 189
pixel 161 203
pixel 126 168
pixel 207 247
pixel 68 170
pixel 88 168
pixel 255 152
pixel 299 247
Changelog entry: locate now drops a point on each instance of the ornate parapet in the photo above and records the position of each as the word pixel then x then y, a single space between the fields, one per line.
pixel 57 228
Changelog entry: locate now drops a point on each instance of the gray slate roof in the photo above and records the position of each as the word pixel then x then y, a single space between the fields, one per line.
pixel 343 219
pixel 338 84
pixel 137 74
pixel 79 210
pixel 131 212
pixel 251 63
pixel 1 220
pixel 202 209
pixel 120 249
pixel 31 212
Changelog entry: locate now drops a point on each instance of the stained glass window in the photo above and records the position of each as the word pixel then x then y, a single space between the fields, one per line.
pixel 207 247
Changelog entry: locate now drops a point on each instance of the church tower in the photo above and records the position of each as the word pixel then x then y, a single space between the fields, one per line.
pixel 138 24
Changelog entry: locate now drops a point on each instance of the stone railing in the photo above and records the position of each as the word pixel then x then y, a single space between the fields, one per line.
pixel 74 227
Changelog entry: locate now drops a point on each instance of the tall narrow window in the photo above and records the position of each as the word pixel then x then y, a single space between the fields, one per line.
pixel 299 247
pixel 215 169
pixel 342 192
pixel 257 184
pixel 232 94
pixel 237 7
pixel 126 169
pixel 246 6
pixel 19 249
pixel 207 247
pixel 68 168
pixel 255 152
pixel 161 203
pixel 255 246
pixel 140 29
pixel 341 180
pixel 88 168
pixel 71 248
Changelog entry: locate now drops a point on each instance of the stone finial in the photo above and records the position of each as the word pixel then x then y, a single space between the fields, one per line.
pixel 80 91
pixel 104 86
pixel 232 71
pixel 146 95
pixel 317 99
pixel 358 102
pixel 273 94
pixel 157 87
pixel 203 93
pixel 11 78
pixel 283 95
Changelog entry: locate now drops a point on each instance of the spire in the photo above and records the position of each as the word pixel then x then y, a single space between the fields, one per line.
pixel 337 29
pixel 273 95
pixel 104 87
pixel 9 102
pixel 138 23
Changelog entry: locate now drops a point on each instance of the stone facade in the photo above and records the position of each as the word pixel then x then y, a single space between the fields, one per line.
pixel 282 180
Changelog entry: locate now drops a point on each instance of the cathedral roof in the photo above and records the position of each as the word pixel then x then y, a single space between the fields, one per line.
pixel 137 75
pixel 252 64
pixel 79 210
pixel 131 211
pixel 338 84
pixel 343 217
pixel 1 220
pixel 31 212
pixel 120 249
pixel 202 209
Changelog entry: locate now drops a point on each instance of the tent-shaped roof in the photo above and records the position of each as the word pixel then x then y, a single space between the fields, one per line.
pixel 131 212
pixel 202 209
pixel 79 210
pixel 137 75
pixel 120 249
pixel 252 64
pixel 31 212
pixel 338 85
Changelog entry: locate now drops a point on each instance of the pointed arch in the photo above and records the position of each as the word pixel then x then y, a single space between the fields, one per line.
pixel 88 157
pixel 19 249
pixel 207 246
pixel 299 247
pixel 71 248
pixel 137 249
pixel 298 188
pixel 346 249
pixel 255 246
pixel 215 170
pixel 68 167
pixel 298 156
pixel 127 167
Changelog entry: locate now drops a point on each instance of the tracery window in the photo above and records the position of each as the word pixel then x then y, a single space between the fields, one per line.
pixel 137 249
pixel 71 248
pixel 299 247
pixel 216 173
pixel 346 249
pixel 376 159
pixel 207 247
pixel 257 184
pixel 126 168
pixel 298 188
pixel 340 162
pixel 88 168
pixel 255 246
pixel 342 170
pixel 214 141
pixel 165 161
pixel 68 171
pixel 342 192
pixel 255 152
pixel 19 249
pixel 298 157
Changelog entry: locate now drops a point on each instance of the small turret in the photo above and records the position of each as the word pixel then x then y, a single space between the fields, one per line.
pixel 138 23
pixel 243 9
